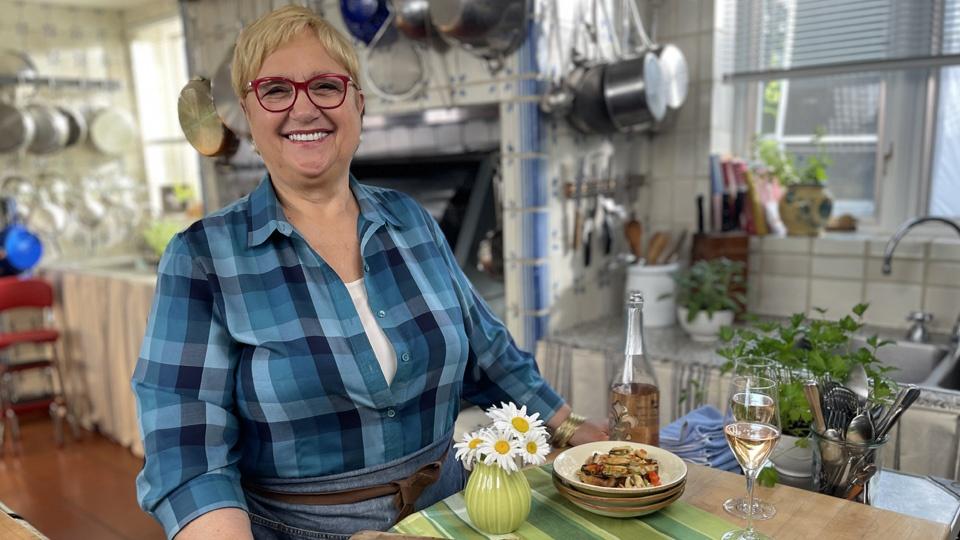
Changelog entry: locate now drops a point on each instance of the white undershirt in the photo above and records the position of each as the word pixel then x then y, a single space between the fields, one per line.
pixel 382 348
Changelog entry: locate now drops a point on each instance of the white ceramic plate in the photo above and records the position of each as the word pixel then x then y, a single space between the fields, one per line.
pixel 672 469
pixel 625 512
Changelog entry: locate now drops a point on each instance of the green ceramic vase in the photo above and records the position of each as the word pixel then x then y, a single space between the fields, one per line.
pixel 498 502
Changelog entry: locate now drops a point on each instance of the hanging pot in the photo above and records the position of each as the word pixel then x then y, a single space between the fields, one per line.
pixel 199 120
pixel 412 17
pixel 112 131
pixel 77 124
pixel 52 129
pixel 633 92
pixel 225 100
pixel 363 18
pixel 490 29
pixel 16 128
pixel 673 67
pixel 588 110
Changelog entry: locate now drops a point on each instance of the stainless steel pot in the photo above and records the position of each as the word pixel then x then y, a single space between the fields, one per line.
pixel 412 17
pixel 673 66
pixel 52 129
pixel 16 128
pixel 490 29
pixel 588 110
pixel 634 93
pixel 77 132
pixel 227 104
pixel 112 131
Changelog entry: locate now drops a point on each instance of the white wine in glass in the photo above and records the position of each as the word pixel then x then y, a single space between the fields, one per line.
pixel 758 366
pixel 752 437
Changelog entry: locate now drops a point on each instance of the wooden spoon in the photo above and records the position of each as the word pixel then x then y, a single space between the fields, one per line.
pixel 633 229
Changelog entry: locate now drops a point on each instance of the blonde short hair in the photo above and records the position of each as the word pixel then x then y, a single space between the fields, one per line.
pixel 275 29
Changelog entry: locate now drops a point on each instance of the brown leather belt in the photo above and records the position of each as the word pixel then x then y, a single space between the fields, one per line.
pixel 407 491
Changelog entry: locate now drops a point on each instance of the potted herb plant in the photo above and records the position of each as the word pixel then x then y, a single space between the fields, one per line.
pixel 803 349
pixel 708 297
pixel 806 205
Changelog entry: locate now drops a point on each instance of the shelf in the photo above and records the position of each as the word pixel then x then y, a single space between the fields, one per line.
pixel 62 82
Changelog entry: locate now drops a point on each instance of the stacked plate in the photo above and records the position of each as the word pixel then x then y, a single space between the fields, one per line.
pixel 619 502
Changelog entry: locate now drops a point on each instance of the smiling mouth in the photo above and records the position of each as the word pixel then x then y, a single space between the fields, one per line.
pixel 307 136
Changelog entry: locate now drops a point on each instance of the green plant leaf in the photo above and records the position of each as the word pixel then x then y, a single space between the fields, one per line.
pixel 859 309
pixel 768 477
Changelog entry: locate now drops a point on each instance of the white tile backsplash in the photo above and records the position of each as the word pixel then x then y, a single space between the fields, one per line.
pixel 783 295
pixel 943 273
pixel 786 265
pixel 772 244
pixel 906 249
pixel 837 267
pixel 835 295
pixel 891 302
pixel 902 271
pixel 944 304
pixel 836 246
pixel 945 250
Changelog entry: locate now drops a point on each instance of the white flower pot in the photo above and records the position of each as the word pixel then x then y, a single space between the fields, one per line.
pixel 793 463
pixel 704 328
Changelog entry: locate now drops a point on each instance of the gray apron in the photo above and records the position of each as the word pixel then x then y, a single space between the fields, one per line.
pixel 278 520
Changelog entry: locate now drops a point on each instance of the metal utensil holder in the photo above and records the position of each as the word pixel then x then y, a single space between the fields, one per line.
pixel 846 469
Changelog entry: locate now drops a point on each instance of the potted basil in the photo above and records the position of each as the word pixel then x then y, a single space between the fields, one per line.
pixel 708 297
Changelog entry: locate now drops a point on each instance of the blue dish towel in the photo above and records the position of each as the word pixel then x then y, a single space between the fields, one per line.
pixel 698 438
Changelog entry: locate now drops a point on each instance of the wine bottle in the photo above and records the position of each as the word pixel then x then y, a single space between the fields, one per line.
pixel 634 395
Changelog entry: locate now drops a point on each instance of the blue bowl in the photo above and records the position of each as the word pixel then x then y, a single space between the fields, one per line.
pixel 364 18
pixel 23 249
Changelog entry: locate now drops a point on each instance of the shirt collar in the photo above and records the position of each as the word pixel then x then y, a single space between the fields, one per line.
pixel 265 215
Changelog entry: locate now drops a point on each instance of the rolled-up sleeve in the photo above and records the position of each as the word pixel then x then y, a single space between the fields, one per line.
pixel 183 384
pixel 497 370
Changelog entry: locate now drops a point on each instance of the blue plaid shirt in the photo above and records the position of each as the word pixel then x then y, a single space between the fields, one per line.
pixel 255 361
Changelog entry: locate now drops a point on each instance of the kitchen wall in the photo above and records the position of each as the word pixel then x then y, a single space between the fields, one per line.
pixel 796 275
pixel 70 42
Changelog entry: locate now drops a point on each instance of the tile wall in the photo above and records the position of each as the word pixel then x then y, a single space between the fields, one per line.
pixel 796 275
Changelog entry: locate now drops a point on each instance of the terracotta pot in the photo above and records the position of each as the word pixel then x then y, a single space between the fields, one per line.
pixel 805 209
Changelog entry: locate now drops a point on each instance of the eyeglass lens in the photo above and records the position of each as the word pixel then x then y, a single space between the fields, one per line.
pixel 324 92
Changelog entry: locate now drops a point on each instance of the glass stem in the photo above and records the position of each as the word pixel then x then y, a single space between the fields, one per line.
pixel 751 478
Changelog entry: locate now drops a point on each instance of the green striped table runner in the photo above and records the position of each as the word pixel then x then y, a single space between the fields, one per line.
pixel 551 516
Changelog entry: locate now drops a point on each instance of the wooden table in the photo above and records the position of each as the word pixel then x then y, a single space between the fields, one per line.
pixel 11 529
pixel 803 514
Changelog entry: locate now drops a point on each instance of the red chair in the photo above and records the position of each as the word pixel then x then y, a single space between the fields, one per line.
pixel 30 293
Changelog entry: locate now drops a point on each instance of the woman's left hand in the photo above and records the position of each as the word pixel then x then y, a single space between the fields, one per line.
pixel 589 431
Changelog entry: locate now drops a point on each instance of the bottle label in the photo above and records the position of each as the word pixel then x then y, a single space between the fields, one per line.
pixel 635 414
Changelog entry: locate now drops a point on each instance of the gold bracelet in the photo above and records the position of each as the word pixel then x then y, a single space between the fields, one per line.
pixel 566 429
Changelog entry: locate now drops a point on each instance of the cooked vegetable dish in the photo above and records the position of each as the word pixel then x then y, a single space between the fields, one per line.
pixel 622 467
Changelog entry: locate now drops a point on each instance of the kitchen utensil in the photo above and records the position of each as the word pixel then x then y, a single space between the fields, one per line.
pixel 225 99
pixel 490 29
pixel 812 392
pixel 843 403
pixel 394 67
pixel 633 92
pixel 887 423
pixel 52 129
pixel 658 242
pixel 199 120
pixel 674 252
pixel 113 132
pixel 673 67
pixel 859 481
pixel 413 18
pixel 77 123
pixel 17 128
pixel 861 428
pixel 17 64
pixel 364 18
pixel 857 382
pixel 578 203
pixel 633 230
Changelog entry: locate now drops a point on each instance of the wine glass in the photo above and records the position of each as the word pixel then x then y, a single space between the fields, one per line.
pixel 759 366
pixel 752 432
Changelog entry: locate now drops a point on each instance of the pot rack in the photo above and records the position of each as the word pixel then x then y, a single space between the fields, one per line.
pixel 61 82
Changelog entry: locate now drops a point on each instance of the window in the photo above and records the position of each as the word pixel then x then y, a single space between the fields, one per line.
pixel 159 70
pixel 860 71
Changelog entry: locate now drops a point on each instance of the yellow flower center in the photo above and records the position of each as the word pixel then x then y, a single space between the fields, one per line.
pixel 520 424
pixel 531 447
pixel 502 447
pixel 474 443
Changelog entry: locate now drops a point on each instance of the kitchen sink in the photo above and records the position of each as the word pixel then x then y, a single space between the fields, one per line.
pixel 915 363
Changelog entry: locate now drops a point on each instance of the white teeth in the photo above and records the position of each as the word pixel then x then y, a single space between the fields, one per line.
pixel 315 136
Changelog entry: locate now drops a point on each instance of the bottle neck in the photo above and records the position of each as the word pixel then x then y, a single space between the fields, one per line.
pixel 634 344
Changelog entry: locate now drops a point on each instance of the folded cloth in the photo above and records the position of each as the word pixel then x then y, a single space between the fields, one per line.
pixel 698 437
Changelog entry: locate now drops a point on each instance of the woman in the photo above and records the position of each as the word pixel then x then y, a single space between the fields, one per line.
pixel 309 345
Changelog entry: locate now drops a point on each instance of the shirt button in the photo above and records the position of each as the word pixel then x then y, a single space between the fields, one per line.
pixel 391 413
pixel 366 268
pixel 405 357
pixel 285 228
pixel 381 314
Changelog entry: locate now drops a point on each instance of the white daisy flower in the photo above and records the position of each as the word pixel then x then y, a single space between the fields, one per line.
pixel 501 448
pixel 467 449
pixel 534 449
pixel 516 420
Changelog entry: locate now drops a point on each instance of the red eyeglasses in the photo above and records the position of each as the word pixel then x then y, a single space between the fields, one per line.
pixel 278 94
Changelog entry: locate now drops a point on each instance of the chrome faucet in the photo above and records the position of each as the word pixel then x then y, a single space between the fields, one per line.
pixel 892 245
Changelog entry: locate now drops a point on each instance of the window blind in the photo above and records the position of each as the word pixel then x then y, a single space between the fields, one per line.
pixel 782 39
